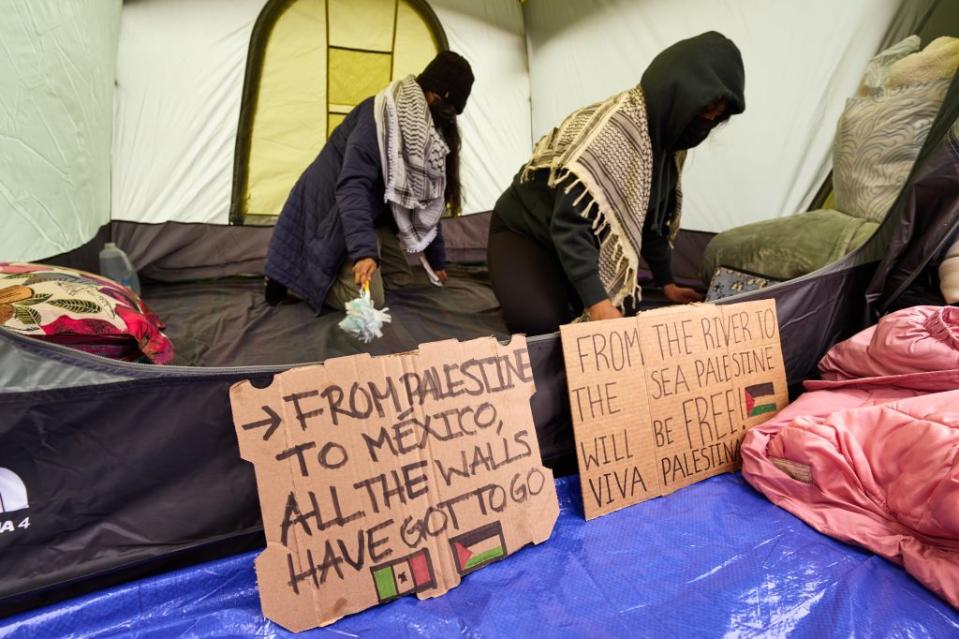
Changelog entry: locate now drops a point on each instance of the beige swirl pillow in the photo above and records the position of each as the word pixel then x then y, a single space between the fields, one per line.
pixel 874 78
pixel 877 142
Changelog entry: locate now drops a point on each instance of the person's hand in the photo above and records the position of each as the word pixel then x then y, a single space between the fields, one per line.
pixel 681 294
pixel 363 270
pixel 441 274
pixel 603 311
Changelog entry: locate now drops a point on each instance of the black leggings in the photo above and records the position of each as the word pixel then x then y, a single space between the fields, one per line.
pixel 529 281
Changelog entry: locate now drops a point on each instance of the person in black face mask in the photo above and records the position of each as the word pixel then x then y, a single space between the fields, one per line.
pixel 698 130
pixel 375 194
pixel 602 189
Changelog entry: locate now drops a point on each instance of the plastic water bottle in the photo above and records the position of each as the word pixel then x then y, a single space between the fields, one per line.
pixel 115 264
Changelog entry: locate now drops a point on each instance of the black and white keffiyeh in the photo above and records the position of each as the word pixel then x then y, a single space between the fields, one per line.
pixel 606 148
pixel 413 159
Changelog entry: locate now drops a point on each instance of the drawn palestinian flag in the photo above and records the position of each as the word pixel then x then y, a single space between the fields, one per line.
pixel 403 576
pixel 478 547
pixel 760 399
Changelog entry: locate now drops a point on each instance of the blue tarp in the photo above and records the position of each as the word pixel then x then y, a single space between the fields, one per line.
pixel 712 560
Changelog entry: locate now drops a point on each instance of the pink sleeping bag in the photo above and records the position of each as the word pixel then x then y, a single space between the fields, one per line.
pixel 871 454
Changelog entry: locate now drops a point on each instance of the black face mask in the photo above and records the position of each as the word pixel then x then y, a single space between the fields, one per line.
pixel 695 133
pixel 443 112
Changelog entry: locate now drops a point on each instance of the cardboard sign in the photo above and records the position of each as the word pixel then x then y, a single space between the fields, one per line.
pixel 387 476
pixel 663 400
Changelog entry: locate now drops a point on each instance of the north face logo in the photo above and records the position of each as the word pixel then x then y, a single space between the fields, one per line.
pixel 13 492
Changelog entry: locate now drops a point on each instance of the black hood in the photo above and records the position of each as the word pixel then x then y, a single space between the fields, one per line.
pixel 685 78
pixel 678 84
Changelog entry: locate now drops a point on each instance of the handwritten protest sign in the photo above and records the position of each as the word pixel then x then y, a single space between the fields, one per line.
pixel 381 477
pixel 663 400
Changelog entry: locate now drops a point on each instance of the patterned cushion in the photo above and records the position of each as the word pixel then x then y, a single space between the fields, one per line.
pixel 727 282
pixel 874 79
pixel 81 310
pixel 877 143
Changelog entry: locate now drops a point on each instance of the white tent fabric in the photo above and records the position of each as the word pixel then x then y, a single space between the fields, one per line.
pixel 180 69
pixel 802 59
pixel 495 127
pixel 180 73
pixel 56 98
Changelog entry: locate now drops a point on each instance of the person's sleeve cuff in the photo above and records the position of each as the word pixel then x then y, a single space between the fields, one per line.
pixel 662 274
pixel 590 290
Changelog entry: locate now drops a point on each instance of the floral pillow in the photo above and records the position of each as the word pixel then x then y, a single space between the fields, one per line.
pixel 81 310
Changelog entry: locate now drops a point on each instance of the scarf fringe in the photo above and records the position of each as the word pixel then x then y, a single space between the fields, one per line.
pixel 604 143
pixel 600 223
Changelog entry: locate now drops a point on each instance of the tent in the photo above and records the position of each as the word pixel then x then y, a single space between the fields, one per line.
pixel 174 128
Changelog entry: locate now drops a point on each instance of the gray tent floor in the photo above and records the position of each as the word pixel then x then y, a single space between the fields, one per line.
pixel 227 322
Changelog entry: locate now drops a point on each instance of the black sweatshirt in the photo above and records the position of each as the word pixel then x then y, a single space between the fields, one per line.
pixel 553 219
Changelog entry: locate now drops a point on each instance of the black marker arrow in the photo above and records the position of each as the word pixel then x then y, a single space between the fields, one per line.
pixel 272 422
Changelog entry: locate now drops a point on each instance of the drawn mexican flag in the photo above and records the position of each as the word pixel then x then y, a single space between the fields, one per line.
pixel 404 576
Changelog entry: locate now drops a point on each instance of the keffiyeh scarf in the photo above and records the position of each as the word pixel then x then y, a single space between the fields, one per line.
pixel 606 148
pixel 413 159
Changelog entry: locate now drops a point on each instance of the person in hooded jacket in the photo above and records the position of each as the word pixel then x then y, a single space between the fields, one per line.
pixel 375 193
pixel 603 189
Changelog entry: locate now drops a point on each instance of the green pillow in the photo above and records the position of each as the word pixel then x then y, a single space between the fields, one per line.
pixel 787 247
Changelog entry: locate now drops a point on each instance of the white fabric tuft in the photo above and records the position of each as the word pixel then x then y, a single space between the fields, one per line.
pixel 949 275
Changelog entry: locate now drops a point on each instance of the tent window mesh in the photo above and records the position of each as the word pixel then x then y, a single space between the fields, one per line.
pixel 354 76
pixel 310 63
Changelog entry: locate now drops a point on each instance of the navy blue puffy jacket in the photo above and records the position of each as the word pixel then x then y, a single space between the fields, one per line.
pixel 330 215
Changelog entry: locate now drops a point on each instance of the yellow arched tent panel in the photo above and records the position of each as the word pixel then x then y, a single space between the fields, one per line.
pixel 310 63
